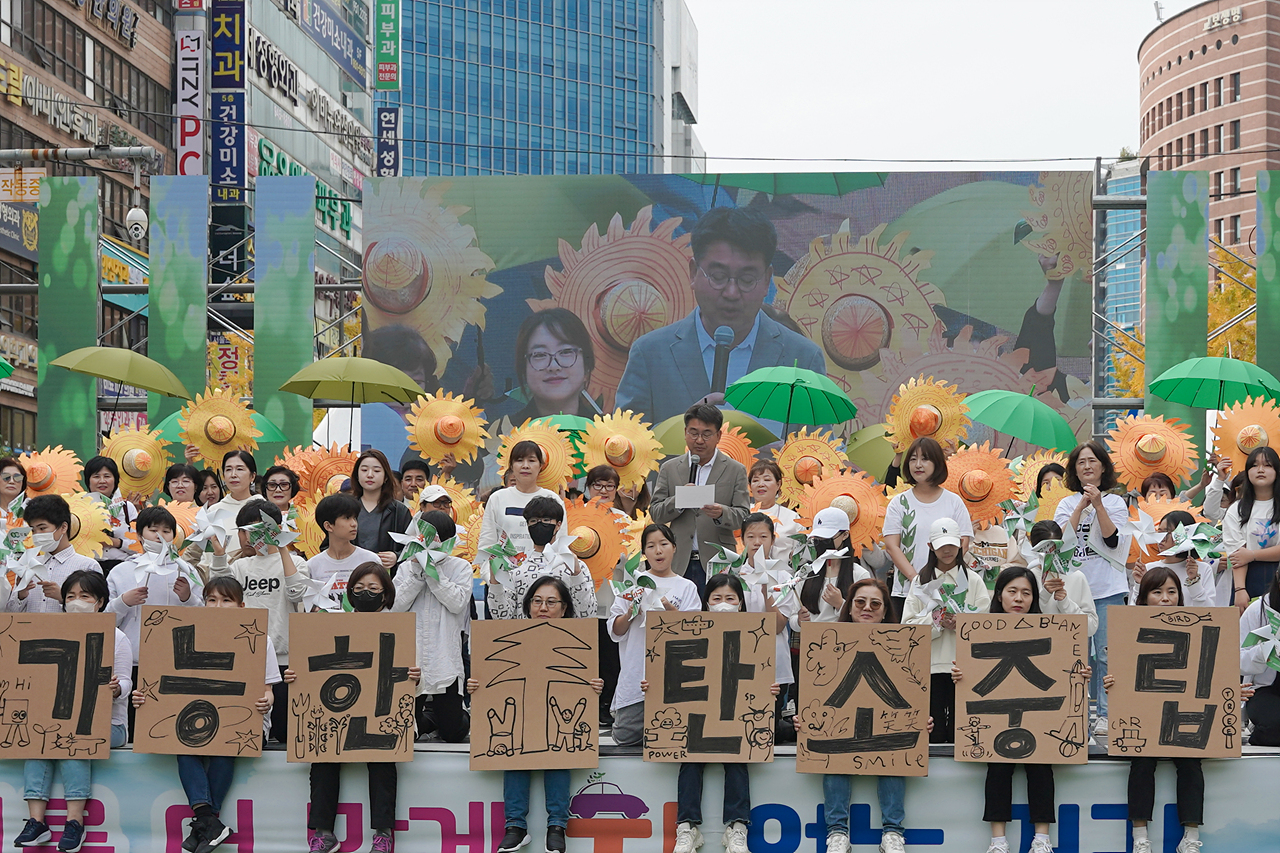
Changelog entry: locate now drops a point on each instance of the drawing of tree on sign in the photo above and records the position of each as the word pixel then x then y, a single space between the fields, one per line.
pixel 537 655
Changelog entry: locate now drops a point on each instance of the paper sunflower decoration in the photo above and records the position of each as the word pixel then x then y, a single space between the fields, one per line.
pixel 465 505
pixel 633 533
pixel 925 407
pixel 555 449
pixel 861 498
pixel 597 536
pixel 1030 469
pixel 298 459
pixel 52 471
pixel 1242 429
pixel 326 469
pixel 982 480
pixel 310 536
pixel 468 540
pixel 1146 445
pixel 441 424
pixel 217 423
pixel 89 525
pixel 183 512
pixel 1050 497
pixel 804 456
pixel 624 442
pixel 141 457
pixel 735 444
pixel 1158 509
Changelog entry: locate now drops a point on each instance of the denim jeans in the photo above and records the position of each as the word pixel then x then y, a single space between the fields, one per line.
pixel 737 794
pixel 1099 657
pixel 837 793
pixel 206 779
pixel 515 796
pixel 77 773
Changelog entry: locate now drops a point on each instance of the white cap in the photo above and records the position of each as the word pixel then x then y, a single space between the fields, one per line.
pixel 432 493
pixel 830 521
pixel 944 531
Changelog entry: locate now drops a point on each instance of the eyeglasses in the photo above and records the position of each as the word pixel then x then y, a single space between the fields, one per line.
pixel 546 602
pixel 603 486
pixel 11 478
pixel 542 360
pixel 705 435
pixel 872 604
pixel 278 486
pixel 746 282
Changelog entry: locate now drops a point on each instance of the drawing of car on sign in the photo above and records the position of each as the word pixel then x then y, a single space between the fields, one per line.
pixel 604 798
pixel 1130 737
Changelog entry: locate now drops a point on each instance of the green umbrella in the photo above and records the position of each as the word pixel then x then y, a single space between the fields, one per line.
pixel 1214 383
pixel 169 428
pixel 354 379
pixel 124 367
pixel 1021 416
pixel 792 395
pixel 870 450
pixel 6 369
pixel 670 433
pixel 566 423
pixel 793 183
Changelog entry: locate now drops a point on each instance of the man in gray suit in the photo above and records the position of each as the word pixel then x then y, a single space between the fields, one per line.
pixel 670 368
pixel 715 522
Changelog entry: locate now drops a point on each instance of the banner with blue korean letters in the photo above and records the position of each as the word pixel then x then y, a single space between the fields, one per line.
pixel 230 163
pixel 323 21
pixel 386 162
pixel 628 806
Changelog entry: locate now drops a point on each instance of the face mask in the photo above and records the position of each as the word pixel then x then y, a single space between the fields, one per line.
pixel 542 532
pixel 365 601
pixel 723 607
pixel 79 605
pixel 156 547
pixel 44 541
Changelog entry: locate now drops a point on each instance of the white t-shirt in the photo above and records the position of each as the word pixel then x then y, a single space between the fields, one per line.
pixel 911 518
pixel 504 513
pixel 322 566
pixel 1258 532
pixel 1104 579
pixel 783 673
pixel 631 646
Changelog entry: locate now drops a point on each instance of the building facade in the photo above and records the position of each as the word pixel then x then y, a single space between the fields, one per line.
pixel 1207 104
pixel 1121 281
pixel 76 73
pixel 543 87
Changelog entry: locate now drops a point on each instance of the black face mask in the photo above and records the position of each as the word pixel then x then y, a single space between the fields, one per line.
pixel 365 601
pixel 542 532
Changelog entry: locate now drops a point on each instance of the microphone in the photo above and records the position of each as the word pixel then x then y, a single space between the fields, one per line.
pixel 720 370
pixel 694 462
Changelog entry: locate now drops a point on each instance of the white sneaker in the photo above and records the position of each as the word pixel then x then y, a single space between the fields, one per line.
pixel 688 838
pixel 997 848
pixel 1041 845
pixel 1100 727
pixel 1187 845
pixel 735 838
pixel 837 842
pixel 891 842
pixel 1141 845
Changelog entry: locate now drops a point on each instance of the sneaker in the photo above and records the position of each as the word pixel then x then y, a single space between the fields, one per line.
pixel 192 841
pixel 1141 845
pixel 735 838
pixel 837 842
pixel 383 842
pixel 555 839
pixel 514 839
pixel 890 842
pixel 1041 845
pixel 212 833
pixel 688 838
pixel 997 848
pixel 1188 845
pixel 1100 727
pixel 72 836
pixel 33 833
pixel 323 842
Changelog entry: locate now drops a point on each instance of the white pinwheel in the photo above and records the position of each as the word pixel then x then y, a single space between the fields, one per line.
pixel 763 569
pixel 421 546
pixel 267 533
pixel 209 526
pixel 1142 529
pixel 1020 518
pixel 1268 636
pixel 1204 539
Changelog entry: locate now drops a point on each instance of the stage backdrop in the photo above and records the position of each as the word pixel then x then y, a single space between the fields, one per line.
pixel 904 274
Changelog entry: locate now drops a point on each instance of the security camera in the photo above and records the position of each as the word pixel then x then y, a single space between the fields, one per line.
pixel 136 222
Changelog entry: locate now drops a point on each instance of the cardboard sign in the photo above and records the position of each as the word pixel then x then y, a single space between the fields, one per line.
pixel 1177 681
pixel 55 684
pixel 353 700
pixel 865 699
pixel 201 669
pixel 535 709
pixel 1023 696
pixel 709 676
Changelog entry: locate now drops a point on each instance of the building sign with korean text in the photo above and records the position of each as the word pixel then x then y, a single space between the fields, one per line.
pixel 189 101
pixel 387 163
pixel 1225 18
pixel 324 23
pixel 116 16
pixel 386 50
pixel 19 230
pixel 21 186
pixel 229 29
pixel 230 175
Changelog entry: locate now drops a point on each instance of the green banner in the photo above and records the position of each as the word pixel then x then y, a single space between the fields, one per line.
pixel 68 246
pixel 1268 280
pixel 386 48
pixel 178 317
pixel 1177 304
pixel 284 315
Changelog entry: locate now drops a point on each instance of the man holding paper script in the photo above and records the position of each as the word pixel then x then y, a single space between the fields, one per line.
pixel 702 494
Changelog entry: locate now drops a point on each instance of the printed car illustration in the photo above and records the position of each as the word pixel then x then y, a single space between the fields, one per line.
pixel 603 798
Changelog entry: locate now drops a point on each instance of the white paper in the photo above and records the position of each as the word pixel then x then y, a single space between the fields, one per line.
pixel 694 497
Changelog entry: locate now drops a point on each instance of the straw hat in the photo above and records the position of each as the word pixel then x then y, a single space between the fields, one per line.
pixel 1243 428
pixel 804 456
pixel 982 480
pixel 555 449
pixel 1144 445
pixel 1158 508
pixel 217 423
pixel 440 424
pixel 598 536
pixel 862 499
pixel 52 471
pixel 326 468
pixel 735 444
pixel 925 407
pixel 624 442
pixel 89 525
pixel 141 457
